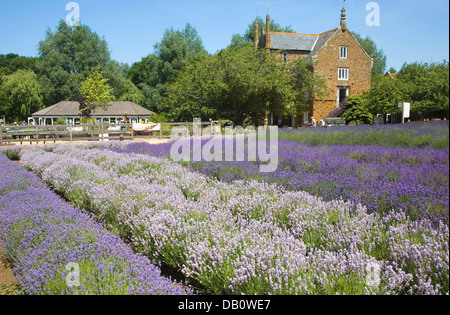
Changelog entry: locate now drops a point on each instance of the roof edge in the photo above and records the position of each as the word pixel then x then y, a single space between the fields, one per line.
pixel 316 35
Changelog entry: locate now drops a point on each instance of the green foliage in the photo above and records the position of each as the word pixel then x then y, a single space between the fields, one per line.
pixel 426 86
pixel 233 84
pixel 239 84
pixel 20 95
pixel 129 92
pixel 11 63
pixel 159 118
pixel 96 91
pixel 117 78
pixel 66 58
pixel 306 86
pixel 177 50
pixel 384 96
pixel 357 110
pixel 378 56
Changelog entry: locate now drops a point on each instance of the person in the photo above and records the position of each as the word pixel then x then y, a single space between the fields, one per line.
pixel 421 117
pixel 24 123
pixel 313 121
pixel 322 123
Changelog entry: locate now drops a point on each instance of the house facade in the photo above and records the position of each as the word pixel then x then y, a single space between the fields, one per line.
pixel 338 58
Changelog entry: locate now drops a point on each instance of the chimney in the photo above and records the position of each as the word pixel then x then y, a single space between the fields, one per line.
pixel 256 35
pixel 343 20
pixel 268 31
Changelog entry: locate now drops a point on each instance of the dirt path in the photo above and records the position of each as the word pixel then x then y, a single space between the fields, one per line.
pixel 8 283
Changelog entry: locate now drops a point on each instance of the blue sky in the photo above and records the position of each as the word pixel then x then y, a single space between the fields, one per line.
pixel 409 30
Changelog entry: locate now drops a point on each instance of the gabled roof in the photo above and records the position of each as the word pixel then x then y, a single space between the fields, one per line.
pixel 71 109
pixel 310 43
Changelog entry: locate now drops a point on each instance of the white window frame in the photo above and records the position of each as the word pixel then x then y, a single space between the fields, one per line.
pixel 343 74
pixel 343 52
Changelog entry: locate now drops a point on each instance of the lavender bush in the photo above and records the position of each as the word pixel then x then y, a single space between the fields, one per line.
pixel 412 180
pixel 41 234
pixel 248 237
pixel 412 135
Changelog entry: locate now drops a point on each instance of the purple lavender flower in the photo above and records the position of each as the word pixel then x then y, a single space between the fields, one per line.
pixel 42 234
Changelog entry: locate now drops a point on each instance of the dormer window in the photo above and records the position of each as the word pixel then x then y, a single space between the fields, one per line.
pixel 343 52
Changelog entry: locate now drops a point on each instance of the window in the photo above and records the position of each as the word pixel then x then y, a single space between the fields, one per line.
pixel 343 74
pixel 285 56
pixel 344 52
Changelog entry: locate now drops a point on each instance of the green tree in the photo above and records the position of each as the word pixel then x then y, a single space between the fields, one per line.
pixel 237 84
pixel 129 92
pixel 177 50
pixel 20 95
pixel 384 96
pixel 66 58
pixel 378 55
pixel 426 86
pixel 357 110
pixel 306 85
pixel 117 76
pixel 11 63
pixel 96 92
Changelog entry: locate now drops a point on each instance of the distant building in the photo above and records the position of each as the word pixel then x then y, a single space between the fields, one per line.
pixel 339 59
pixel 70 113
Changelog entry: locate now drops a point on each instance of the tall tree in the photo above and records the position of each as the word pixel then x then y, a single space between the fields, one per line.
pixel 378 55
pixel 129 92
pixel 20 95
pixel 306 85
pixel 11 63
pixel 238 84
pixel 177 50
pixel 67 57
pixel 427 86
pixel 384 96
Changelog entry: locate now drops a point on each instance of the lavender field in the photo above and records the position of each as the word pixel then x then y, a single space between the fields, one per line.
pixel 42 234
pixel 333 219
pixel 382 178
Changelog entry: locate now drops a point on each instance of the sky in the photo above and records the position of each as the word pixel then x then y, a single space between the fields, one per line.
pixel 406 30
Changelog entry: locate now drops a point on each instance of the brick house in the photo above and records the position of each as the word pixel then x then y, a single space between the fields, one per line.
pixel 338 58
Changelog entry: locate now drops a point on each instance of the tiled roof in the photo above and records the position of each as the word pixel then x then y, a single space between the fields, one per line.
pixel 294 41
pixel 71 109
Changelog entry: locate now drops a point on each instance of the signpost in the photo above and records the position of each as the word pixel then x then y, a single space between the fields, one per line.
pixel 406 110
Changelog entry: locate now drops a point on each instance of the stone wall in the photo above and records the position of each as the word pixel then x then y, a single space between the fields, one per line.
pixel 328 64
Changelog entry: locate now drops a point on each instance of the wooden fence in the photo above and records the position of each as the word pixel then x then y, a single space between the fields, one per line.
pixel 75 133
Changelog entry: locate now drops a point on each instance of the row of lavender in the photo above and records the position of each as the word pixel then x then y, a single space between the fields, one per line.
pixel 58 249
pixel 412 135
pixel 248 237
pixel 412 180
